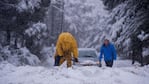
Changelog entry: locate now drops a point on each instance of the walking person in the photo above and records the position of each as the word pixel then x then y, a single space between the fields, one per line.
pixel 137 50
pixel 109 52
pixel 66 49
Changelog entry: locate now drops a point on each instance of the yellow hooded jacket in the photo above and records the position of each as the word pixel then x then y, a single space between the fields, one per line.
pixel 66 43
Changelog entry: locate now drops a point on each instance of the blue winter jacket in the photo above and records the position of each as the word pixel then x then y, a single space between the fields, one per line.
pixel 109 52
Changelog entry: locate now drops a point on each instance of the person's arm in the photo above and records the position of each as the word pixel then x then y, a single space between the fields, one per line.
pixel 101 53
pixel 75 50
pixel 114 52
pixel 59 48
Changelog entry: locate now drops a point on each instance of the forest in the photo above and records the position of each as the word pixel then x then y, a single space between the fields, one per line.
pixel 32 48
pixel 36 24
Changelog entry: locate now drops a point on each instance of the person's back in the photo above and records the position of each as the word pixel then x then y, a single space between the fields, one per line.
pixel 66 41
pixel 66 45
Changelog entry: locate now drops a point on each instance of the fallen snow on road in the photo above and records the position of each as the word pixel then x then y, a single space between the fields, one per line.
pixel 10 74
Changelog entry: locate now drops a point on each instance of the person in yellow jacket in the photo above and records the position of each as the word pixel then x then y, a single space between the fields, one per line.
pixel 66 49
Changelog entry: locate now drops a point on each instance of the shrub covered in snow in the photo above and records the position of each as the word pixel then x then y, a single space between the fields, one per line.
pixel 37 30
pixel 21 23
pixel 36 37
pixel 18 57
pixel 25 5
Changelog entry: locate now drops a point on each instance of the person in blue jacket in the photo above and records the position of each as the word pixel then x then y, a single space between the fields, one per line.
pixel 109 52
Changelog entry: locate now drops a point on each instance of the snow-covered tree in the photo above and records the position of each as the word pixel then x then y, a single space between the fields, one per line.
pixel 36 37
pixel 127 25
pixel 18 15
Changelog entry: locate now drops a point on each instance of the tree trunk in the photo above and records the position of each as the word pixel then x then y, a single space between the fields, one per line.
pixel 8 36
pixel 23 41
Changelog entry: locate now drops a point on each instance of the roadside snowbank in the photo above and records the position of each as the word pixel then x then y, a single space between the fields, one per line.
pixel 18 57
pixel 10 74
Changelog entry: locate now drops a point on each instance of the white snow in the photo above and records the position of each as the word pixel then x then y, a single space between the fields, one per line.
pixel 48 55
pixel 84 16
pixel 143 36
pixel 10 74
pixel 19 57
pixel 36 29
pixel 145 52
pixel 24 5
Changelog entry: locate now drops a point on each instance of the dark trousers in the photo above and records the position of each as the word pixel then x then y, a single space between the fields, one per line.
pixel 57 60
pixel 109 63
pixel 60 60
pixel 140 59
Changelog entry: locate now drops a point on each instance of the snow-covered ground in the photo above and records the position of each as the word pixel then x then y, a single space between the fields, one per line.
pixel 121 73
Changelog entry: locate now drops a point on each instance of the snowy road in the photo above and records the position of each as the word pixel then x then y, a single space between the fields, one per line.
pixel 128 74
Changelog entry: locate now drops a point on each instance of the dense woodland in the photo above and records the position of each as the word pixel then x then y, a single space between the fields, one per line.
pixel 27 26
